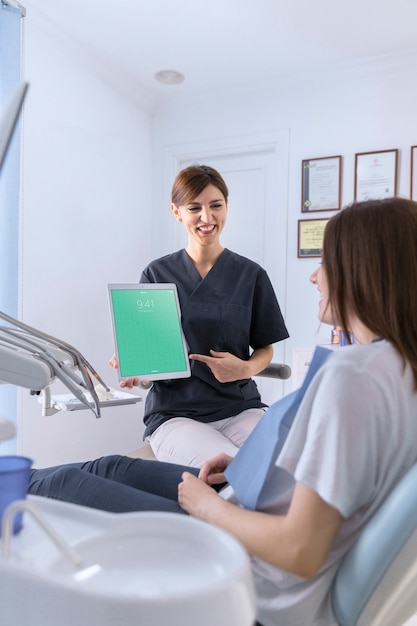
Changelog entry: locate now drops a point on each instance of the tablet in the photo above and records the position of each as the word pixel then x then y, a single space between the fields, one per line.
pixel 148 336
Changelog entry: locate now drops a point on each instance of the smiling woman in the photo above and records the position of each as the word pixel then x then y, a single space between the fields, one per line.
pixel 225 299
pixel 10 71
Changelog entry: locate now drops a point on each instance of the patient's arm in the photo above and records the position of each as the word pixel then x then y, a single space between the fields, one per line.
pixel 298 542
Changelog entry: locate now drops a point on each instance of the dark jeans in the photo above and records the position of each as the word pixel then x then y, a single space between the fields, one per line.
pixel 113 483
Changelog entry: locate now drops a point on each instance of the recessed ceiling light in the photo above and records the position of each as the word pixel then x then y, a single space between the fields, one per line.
pixel 169 77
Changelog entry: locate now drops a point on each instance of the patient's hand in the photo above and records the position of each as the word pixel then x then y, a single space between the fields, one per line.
pixel 212 470
pixel 226 367
pixel 195 497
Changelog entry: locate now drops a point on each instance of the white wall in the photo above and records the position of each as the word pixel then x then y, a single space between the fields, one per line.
pixel 338 115
pixel 86 211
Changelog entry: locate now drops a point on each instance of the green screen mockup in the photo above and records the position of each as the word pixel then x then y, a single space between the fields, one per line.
pixel 148 334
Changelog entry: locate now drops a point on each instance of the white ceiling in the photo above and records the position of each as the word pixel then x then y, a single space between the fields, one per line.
pixel 228 45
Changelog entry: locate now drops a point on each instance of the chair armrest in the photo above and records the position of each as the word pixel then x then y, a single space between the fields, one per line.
pixel 276 370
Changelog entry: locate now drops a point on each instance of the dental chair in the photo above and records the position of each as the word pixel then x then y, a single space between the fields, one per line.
pixel 280 371
pixel 376 584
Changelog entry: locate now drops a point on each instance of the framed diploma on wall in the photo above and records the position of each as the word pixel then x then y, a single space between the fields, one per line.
pixel 321 184
pixel 413 174
pixel 310 237
pixel 376 174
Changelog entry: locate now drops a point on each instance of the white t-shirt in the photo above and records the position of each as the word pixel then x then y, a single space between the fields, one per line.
pixel 353 438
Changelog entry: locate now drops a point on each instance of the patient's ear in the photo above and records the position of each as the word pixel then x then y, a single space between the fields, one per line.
pixel 176 212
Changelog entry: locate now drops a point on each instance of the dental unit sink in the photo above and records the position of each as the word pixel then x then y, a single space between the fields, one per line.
pixel 130 569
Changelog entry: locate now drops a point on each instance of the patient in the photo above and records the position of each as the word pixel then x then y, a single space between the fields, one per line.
pixel 354 436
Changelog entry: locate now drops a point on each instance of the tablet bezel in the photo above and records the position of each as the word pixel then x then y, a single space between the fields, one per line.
pixel 151 376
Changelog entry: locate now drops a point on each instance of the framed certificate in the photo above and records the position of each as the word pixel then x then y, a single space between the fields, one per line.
pixel 321 186
pixel 376 174
pixel 310 237
pixel 413 176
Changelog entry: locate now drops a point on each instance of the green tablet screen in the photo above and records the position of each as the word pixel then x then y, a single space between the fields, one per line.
pixel 147 330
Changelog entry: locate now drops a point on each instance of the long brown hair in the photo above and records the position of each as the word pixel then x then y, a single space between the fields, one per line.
pixel 370 260
pixel 192 180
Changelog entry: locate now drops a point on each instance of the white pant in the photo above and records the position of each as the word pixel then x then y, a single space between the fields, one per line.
pixel 188 442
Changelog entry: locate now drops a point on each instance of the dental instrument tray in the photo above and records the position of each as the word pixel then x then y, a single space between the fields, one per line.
pixel 68 402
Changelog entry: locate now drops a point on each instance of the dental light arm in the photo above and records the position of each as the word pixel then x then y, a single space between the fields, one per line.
pixel 32 359
pixel 18 368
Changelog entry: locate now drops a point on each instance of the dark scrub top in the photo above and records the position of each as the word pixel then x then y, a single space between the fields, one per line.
pixel 232 309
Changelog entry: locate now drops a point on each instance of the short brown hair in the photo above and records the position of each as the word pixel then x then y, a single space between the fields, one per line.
pixel 192 180
pixel 370 260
